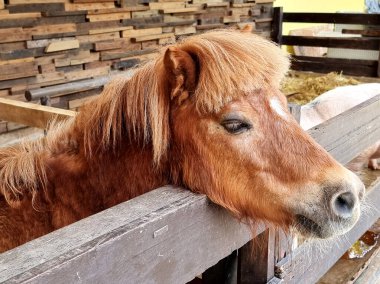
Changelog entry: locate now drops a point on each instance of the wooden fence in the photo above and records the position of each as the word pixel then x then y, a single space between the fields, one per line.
pixel 171 235
pixel 369 41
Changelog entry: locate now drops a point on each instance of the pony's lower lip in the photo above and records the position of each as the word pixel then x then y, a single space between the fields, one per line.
pixel 308 227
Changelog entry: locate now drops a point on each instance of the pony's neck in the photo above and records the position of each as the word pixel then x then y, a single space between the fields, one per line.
pixel 127 172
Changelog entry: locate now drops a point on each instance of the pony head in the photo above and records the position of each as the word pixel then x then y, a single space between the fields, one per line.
pixel 233 138
pixel 210 109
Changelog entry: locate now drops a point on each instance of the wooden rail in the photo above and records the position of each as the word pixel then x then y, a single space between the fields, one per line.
pixel 369 68
pixel 170 235
pixel 31 114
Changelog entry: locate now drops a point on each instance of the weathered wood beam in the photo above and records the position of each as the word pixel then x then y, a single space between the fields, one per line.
pixel 336 18
pixel 31 114
pixel 168 235
pixel 366 43
pixel 346 135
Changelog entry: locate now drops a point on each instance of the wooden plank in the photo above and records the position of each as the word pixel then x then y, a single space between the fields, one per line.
pixel 51 29
pixel 18 70
pixel 114 54
pixel 150 37
pixel 336 18
pixel 354 43
pixel 31 114
pixel 98 37
pixel 18 16
pixel 11 2
pixel 179 10
pixel 45 42
pixel 162 224
pixel 15 61
pixel 13 35
pixel 343 140
pixel 85 74
pixel 50 77
pixel 231 19
pixel 124 44
pixel 128 63
pixel 91 1
pixel 35 7
pixel 4 47
pixel 326 65
pixel 142 32
pixel 62 45
pixel 185 30
pixel 88 6
pixel 367 32
pixel 162 24
pixel 109 30
pixel 299 267
pixel 61 20
pixel 26 22
pixel 109 17
pixel 166 5
pixel 63 13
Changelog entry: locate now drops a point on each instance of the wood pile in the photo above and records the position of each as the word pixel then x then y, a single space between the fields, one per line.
pixel 50 42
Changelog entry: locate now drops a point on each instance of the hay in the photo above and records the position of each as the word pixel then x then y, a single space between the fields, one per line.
pixel 301 89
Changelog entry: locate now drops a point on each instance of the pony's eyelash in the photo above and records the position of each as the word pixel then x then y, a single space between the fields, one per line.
pixel 236 126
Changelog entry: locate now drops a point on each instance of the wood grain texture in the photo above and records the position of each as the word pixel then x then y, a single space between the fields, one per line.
pixel 343 140
pixel 162 224
pixel 31 114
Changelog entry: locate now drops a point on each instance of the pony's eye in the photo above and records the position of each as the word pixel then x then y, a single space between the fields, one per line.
pixel 235 126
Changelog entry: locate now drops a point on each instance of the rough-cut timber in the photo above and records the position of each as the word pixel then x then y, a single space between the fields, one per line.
pixel 30 114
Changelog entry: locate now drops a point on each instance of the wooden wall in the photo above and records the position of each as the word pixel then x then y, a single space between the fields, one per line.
pixel 50 42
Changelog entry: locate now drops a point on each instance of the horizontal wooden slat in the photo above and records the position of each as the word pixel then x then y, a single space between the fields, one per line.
pixel 337 18
pixel 309 262
pixel 349 133
pixel 31 114
pixel 326 65
pixel 337 42
pixel 168 235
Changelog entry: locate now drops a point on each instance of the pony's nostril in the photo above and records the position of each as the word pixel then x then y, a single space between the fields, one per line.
pixel 344 204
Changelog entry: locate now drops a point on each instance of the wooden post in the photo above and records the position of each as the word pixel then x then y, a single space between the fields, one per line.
pixel 256 259
pixel 276 34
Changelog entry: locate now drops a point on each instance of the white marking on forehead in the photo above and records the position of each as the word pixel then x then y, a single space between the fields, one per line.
pixel 277 107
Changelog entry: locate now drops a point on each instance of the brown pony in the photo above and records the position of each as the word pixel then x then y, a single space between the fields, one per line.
pixel 207 114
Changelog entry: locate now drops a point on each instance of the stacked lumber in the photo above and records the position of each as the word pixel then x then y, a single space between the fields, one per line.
pixel 44 43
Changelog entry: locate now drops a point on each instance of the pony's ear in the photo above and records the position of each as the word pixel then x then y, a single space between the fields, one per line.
pixel 181 71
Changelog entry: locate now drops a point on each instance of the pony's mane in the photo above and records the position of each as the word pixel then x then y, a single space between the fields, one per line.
pixel 230 64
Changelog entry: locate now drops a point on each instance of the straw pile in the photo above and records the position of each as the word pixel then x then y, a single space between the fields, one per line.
pixel 301 89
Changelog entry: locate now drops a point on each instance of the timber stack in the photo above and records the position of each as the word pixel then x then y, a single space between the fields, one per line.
pixel 47 43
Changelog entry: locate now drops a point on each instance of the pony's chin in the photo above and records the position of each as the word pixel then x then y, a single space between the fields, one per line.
pixel 309 228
